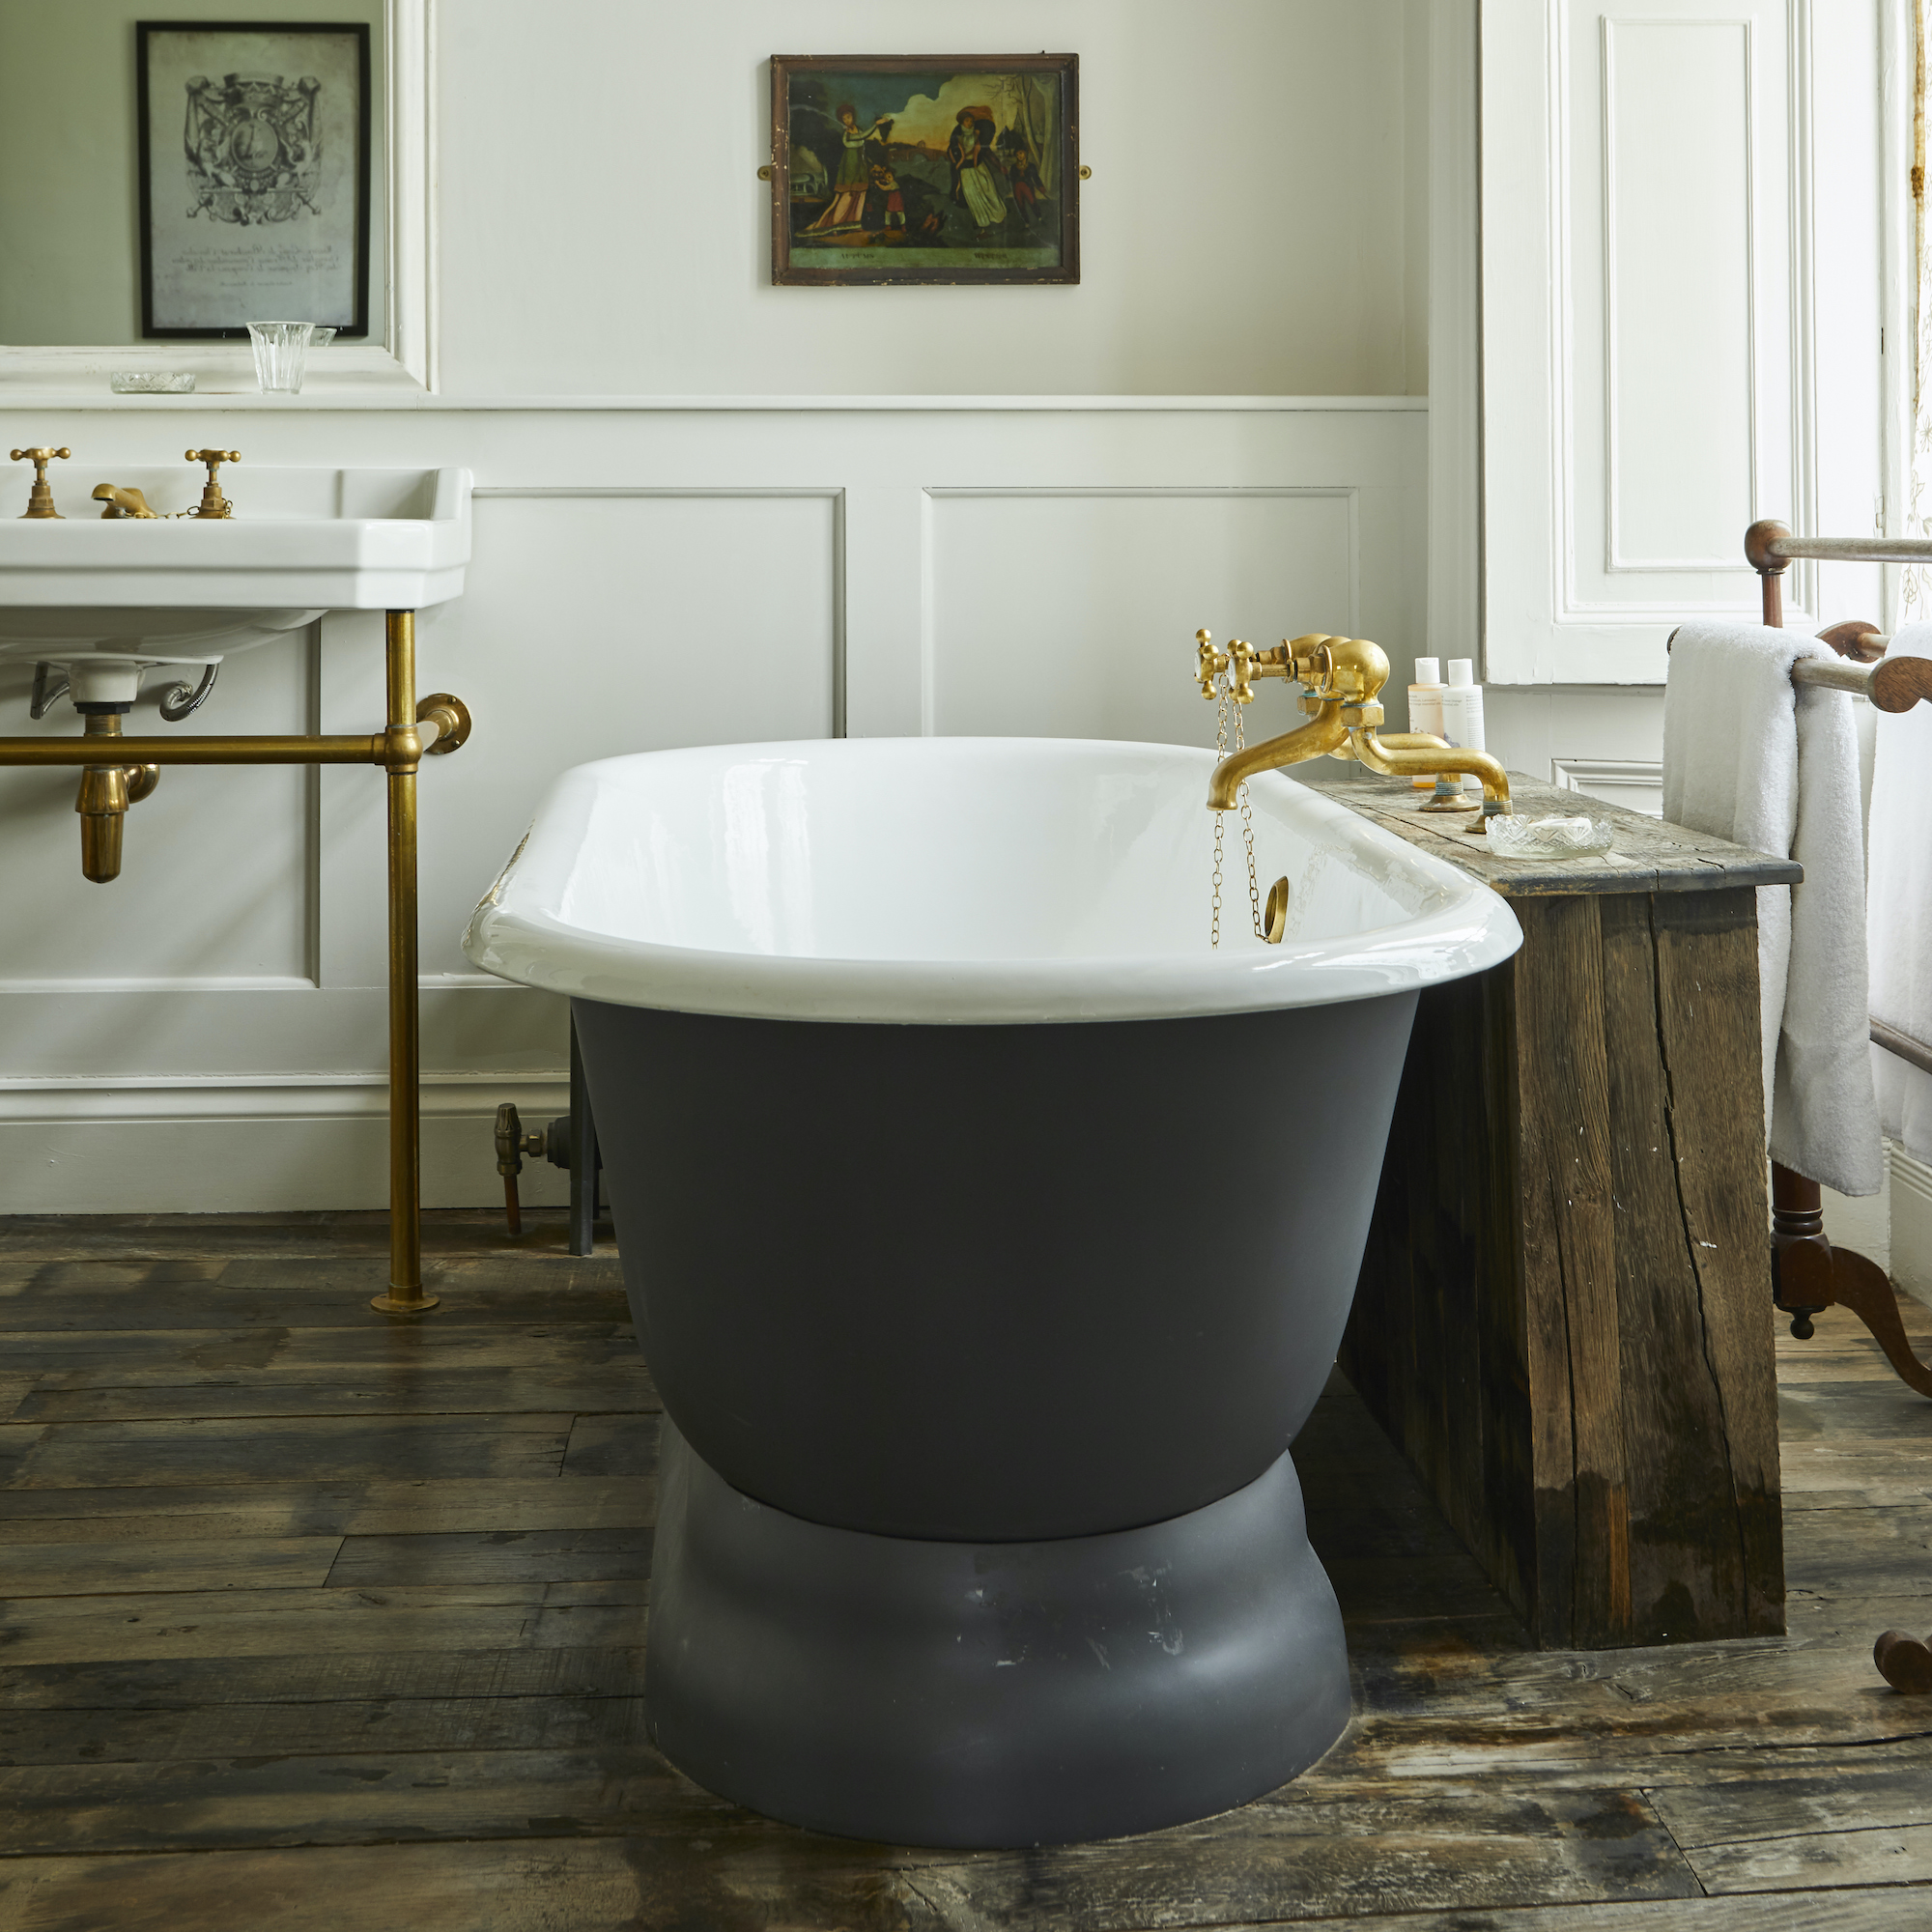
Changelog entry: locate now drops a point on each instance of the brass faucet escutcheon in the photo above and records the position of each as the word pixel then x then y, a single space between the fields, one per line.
pixel 1341 680
pixel 212 502
pixel 40 498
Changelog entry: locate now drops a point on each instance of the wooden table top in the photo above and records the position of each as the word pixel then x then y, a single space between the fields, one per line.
pixel 1649 856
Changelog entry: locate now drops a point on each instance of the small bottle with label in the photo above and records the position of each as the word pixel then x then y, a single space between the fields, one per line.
pixel 1463 712
pixel 1425 704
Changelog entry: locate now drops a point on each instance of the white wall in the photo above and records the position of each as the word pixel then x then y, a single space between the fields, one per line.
pixel 1244 231
pixel 208 1031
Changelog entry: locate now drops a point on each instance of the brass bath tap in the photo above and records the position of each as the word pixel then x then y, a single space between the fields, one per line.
pixel 1340 679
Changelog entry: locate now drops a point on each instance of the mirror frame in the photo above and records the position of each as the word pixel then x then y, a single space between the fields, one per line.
pixel 28 373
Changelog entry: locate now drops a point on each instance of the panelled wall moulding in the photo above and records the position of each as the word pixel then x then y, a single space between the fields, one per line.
pixel 641 578
pixel 1649 354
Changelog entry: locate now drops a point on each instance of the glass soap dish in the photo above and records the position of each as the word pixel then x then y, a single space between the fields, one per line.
pixel 1512 838
pixel 151 382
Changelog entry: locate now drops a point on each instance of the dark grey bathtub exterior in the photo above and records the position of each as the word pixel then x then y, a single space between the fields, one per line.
pixel 1041 1306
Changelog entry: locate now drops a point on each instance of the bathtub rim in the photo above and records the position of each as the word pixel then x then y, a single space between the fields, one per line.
pixel 1470 929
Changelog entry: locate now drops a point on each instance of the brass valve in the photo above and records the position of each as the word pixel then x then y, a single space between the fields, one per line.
pixel 40 498
pixel 212 502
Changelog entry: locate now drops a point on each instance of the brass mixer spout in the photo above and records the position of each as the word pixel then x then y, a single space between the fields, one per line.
pixel 1342 680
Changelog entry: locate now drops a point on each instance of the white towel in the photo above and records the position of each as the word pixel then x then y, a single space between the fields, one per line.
pixel 1899 920
pixel 1752 759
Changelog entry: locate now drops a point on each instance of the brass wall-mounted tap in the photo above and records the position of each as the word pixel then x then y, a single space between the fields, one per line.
pixel 40 498
pixel 1340 679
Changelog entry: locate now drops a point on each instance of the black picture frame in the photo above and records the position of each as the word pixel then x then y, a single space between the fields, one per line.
pixel 1041 218
pixel 146 33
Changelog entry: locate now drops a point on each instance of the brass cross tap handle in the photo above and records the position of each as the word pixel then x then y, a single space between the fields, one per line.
pixel 40 498
pixel 212 502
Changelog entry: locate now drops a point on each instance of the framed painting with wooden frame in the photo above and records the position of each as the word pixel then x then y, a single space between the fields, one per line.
pixel 254 147
pixel 925 168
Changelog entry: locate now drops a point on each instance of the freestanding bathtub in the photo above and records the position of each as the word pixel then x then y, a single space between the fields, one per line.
pixel 990 1237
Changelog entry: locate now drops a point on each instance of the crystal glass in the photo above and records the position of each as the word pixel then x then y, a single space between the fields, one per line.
pixel 280 349
pixel 1512 838
pixel 151 382
pixel 322 337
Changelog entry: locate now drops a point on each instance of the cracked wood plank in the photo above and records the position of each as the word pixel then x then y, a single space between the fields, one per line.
pixel 1562 1318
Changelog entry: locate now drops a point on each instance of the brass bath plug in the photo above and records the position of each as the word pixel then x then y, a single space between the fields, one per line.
pixel 40 498
pixel 212 502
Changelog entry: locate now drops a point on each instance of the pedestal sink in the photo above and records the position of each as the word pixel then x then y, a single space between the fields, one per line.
pixel 105 598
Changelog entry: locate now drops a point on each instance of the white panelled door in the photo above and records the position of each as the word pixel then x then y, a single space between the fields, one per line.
pixel 1648 373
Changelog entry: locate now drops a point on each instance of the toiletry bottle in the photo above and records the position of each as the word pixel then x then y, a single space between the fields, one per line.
pixel 1424 705
pixel 1463 712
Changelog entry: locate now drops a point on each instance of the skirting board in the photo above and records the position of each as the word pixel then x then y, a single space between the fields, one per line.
pixel 239 1144
pixel 1910 1191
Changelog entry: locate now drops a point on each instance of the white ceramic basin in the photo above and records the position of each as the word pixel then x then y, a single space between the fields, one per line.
pixel 88 591
pixel 961 880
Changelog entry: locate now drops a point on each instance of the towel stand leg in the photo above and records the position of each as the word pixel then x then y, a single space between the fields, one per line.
pixel 1810 1275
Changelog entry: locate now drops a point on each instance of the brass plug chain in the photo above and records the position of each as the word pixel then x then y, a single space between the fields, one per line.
pixel 1223 685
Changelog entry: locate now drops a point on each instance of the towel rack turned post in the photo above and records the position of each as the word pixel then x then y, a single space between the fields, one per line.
pixel 1808 1274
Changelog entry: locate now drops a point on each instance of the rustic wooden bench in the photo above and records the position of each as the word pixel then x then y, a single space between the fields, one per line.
pixel 1564 1318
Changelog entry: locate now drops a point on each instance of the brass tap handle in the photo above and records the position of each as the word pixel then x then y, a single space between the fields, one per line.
pixel 1209 663
pixel 212 502
pixel 1241 659
pixel 40 498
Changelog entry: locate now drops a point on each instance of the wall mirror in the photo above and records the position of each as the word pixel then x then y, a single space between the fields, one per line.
pixel 170 172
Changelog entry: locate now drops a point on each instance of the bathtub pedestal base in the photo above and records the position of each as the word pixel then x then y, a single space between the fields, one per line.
pixel 989 1694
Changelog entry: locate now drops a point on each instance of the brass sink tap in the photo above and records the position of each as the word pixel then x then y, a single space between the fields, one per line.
pixel 122 504
pixel 212 502
pixel 1340 679
pixel 40 499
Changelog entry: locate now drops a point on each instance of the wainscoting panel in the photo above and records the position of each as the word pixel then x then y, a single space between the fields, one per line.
pixel 215 865
pixel 621 620
pixel 209 1032
pixel 1072 614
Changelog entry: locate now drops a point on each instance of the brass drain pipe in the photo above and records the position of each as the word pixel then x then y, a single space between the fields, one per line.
pixel 107 790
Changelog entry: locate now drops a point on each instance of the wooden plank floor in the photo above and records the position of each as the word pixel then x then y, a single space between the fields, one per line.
pixel 314 1620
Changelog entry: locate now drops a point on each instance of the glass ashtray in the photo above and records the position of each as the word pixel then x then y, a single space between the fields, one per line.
pixel 151 382
pixel 1512 838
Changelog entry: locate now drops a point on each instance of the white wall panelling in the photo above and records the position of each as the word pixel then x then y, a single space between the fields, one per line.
pixel 1647 377
pixel 1668 186
pixel 208 1032
pixel 1635 783
pixel 1113 584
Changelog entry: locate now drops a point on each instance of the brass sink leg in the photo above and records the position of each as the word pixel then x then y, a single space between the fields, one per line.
pixel 106 791
pixel 405 1294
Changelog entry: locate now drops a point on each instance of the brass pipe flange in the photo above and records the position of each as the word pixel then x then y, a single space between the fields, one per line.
pixel 451 719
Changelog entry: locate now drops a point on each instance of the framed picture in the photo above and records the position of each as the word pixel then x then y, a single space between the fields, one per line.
pixel 925 168
pixel 254 157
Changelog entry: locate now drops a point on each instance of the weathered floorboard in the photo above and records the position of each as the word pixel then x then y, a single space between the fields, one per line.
pixel 444 1728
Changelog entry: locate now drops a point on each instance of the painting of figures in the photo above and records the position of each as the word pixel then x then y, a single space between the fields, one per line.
pixel 925 169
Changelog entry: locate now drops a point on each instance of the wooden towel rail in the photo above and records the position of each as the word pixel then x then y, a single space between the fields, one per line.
pixel 1808 1273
